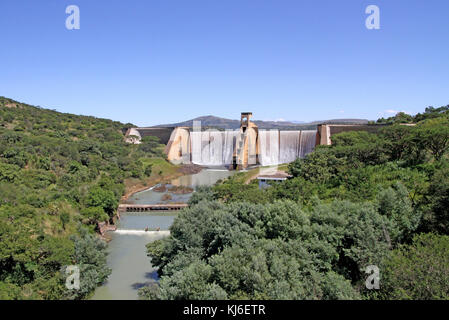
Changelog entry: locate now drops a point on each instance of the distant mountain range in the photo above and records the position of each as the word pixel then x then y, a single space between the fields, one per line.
pixel 223 123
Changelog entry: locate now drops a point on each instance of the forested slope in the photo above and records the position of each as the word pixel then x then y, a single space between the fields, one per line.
pixel 59 175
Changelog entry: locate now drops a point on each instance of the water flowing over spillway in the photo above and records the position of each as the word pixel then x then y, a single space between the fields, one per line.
pixel 276 147
pixel 307 142
pixel 289 146
pixel 268 147
pixel 195 143
pixel 228 146
pixel 213 148
pixel 216 148
pixel 161 233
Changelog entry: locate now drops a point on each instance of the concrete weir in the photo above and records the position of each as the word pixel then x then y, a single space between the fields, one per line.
pixel 151 207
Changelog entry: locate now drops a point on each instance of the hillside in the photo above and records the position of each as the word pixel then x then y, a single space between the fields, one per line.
pixel 60 174
pixel 223 123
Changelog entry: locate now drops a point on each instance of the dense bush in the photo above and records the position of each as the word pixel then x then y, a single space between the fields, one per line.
pixel 418 271
pixel 362 201
pixel 275 251
pixel 58 171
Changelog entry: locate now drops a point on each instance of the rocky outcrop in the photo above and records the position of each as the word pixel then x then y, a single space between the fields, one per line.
pixel 103 227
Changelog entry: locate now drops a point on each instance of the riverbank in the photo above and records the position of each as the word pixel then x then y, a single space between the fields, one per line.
pixel 246 177
pixel 131 267
pixel 163 172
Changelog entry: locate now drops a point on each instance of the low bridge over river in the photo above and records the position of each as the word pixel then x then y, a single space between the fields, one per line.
pixel 151 207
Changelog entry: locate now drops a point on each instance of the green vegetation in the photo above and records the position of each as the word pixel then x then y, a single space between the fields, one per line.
pixel 369 199
pixel 429 113
pixel 418 271
pixel 60 174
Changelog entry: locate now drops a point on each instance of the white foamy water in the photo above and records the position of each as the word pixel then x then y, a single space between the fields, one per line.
pixel 212 148
pixel 269 147
pixel 289 146
pixel 143 232
pixel 307 142
pixel 228 146
pixel 216 148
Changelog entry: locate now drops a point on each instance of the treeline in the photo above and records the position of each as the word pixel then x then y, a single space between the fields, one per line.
pixel 60 174
pixel 369 199
pixel 429 113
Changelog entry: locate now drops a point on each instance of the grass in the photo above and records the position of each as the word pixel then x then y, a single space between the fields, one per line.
pixel 162 171
pixel 160 166
pixel 247 176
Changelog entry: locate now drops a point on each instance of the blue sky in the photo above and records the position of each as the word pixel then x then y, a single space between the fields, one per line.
pixel 160 61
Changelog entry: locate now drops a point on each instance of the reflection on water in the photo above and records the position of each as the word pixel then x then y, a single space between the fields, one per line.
pixel 131 268
pixel 205 177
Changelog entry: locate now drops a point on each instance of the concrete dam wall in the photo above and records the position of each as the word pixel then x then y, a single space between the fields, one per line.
pixel 243 147
pixel 326 131
pixel 239 148
pixel 134 135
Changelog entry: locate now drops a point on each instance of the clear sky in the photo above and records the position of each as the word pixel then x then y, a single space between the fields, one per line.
pixel 159 61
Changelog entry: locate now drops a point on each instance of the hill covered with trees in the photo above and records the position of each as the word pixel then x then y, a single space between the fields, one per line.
pixel 369 199
pixel 60 174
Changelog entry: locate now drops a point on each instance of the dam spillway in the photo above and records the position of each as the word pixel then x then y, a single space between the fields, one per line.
pixel 211 148
pixel 239 148
pixel 243 147
pixel 269 147
pixel 289 146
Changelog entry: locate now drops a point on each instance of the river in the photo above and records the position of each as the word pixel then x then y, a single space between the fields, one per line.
pixel 131 268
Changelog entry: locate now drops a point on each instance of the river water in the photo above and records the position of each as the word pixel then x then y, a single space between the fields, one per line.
pixel 131 268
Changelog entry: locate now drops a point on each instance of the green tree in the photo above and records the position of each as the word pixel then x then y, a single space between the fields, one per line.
pixel 90 256
pixel 394 202
pixel 94 214
pixel 151 145
pixel 438 194
pixel 435 136
pixel 148 170
pixel 419 271
pixel 105 199
pixel 8 172
pixel 201 193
